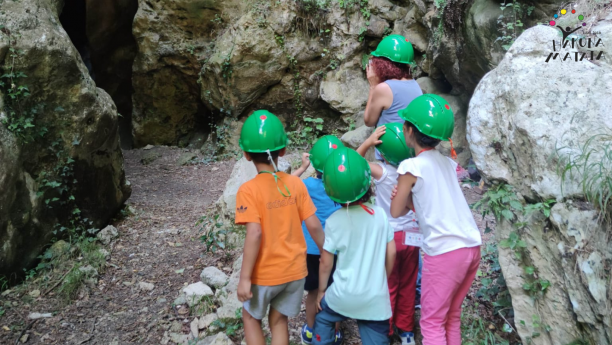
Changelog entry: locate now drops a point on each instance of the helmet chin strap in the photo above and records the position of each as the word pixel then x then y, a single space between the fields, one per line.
pixel 272 160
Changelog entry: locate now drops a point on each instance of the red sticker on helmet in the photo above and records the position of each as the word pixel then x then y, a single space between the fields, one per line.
pixel 263 117
pixel 341 168
pixel 407 40
pixel 446 106
pixel 334 146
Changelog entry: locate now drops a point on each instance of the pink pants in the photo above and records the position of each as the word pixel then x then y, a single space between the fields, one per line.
pixel 446 280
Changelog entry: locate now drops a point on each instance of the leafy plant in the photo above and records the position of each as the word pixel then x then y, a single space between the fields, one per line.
pixel 509 22
pixel 475 332
pixel 3 283
pixel 591 165
pixel 215 236
pixel 501 200
pixel 230 326
pixel 21 118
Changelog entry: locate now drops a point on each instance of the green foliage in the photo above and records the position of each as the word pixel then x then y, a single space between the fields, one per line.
pixel 21 116
pixel 501 200
pixel 509 22
pixel 230 326
pixel 493 289
pixel 440 4
pixel 590 164
pixel 307 134
pixel 475 332
pixel 280 40
pixel 218 21
pixel 214 235
pixel 3 283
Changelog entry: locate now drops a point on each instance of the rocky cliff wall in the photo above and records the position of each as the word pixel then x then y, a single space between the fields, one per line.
pixel 546 132
pixel 60 161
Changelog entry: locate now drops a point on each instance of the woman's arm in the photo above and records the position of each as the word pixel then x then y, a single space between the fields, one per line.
pixel 379 99
pixel 400 203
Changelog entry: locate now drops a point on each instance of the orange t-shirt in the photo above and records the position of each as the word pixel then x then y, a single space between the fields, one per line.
pixel 282 253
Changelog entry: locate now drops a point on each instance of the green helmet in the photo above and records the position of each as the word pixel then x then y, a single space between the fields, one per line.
pixel 346 176
pixel 262 131
pixel 321 150
pixel 396 48
pixel 393 146
pixel 432 115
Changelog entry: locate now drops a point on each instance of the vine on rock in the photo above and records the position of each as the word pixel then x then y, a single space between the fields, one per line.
pixel 503 202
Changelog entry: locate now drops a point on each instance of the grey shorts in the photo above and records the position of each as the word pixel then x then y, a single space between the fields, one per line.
pixel 285 298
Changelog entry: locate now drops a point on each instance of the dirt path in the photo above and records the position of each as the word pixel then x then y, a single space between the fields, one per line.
pixel 155 242
pixel 158 244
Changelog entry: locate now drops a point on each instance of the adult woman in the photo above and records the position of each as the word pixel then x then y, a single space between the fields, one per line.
pixel 391 85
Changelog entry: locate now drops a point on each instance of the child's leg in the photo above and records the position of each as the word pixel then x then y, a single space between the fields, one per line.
pixel 279 327
pixel 409 267
pixel 253 335
pixel 311 308
pixel 453 320
pixel 325 325
pixel 442 276
pixel 373 332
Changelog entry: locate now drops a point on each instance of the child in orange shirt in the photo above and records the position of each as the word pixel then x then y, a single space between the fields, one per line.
pixel 272 206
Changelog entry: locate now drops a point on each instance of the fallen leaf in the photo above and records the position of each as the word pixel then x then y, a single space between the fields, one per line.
pixel 24 338
pixel 180 271
pixel 6 328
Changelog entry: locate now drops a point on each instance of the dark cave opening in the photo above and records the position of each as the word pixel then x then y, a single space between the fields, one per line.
pixel 101 30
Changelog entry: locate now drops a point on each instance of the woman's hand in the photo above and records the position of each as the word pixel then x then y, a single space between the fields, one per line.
pixel 374 139
pixel 372 77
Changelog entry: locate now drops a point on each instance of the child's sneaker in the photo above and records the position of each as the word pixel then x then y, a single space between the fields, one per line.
pixel 339 337
pixel 306 335
pixel 407 338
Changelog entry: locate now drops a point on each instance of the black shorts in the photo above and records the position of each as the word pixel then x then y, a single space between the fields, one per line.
pixel 312 280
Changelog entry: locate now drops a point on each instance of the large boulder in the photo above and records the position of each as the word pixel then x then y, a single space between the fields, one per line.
pixel 516 124
pixel 525 121
pixel 71 147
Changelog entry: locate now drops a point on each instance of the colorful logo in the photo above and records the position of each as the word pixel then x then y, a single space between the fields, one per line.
pixel 567 31
pixel 561 49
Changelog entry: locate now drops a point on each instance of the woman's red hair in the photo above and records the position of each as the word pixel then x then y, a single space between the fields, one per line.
pixel 386 69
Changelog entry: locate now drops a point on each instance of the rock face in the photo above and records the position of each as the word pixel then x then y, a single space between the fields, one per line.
pixel 173 39
pixel 524 120
pixel 74 128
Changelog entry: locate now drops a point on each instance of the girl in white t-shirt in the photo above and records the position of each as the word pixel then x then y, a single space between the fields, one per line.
pixel 428 183
pixel 389 139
